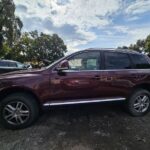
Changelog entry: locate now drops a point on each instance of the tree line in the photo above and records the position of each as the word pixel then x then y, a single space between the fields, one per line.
pixel 35 47
pixel 141 45
pixel 31 46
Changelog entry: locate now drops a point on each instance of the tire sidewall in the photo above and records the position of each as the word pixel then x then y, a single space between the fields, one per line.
pixel 131 101
pixel 28 101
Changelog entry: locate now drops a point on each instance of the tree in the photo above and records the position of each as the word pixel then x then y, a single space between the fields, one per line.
pixel 35 47
pixel 10 25
pixel 138 46
pixel 123 47
pixel 47 47
pixel 141 44
pixel 134 47
pixel 21 49
pixel 147 44
pixel 5 51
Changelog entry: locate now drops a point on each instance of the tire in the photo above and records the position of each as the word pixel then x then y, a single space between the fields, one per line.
pixel 139 103
pixel 18 111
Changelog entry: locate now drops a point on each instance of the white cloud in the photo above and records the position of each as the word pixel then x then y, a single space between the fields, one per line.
pixel 84 39
pixel 80 22
pixel 83 14
pixel 122 29
pixel 138 7
pixel 134 34
pixel 140 32
pixel 133 18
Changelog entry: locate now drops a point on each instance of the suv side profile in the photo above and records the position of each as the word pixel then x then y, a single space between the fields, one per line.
pixel 88 76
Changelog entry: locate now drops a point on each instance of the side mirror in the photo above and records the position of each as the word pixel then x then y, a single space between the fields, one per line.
pixel 26 66
pixel 64 65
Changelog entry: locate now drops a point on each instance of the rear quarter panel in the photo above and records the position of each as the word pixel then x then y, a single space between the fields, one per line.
pixel 122 82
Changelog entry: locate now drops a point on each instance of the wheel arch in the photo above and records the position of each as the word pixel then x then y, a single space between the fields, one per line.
pixel 8 91
pixel 145 86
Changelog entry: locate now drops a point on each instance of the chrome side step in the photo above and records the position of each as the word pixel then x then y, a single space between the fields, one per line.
pixel 79 101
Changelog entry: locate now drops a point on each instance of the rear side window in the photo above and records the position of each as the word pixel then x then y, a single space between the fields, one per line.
pixel 7 64
pixel 3 64
pixel 115 60
pixel 12 64
pixel 140 61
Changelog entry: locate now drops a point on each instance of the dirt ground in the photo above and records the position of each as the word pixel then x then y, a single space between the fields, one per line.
pixel 81 127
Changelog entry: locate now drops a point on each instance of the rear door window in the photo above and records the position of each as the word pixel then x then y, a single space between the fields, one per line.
pixel 140 61
pixel 117 60
pixel 3 64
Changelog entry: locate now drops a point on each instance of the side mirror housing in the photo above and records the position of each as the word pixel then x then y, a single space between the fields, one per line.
pixel 64 65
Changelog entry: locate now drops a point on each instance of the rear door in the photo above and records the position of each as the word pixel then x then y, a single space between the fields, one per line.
pixel 117 77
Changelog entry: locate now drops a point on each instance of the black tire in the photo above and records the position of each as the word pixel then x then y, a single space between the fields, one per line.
pixel 134 106
pixel 29 110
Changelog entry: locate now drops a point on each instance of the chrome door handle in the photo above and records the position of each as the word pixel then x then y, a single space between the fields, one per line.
pixel 97 77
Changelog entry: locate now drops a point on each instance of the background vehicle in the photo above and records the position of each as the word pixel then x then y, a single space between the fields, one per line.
pixel 89 76
pixel 10 65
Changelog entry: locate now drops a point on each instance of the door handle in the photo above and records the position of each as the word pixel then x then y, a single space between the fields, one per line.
pixel 135 76
pixel 96 77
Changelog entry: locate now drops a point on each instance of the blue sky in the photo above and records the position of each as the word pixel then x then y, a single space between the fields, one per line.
pixel 88 23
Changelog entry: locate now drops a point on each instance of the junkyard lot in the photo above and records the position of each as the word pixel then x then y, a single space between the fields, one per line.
pixel 81 127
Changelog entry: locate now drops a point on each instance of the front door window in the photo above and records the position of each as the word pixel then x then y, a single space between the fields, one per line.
pixel 85 61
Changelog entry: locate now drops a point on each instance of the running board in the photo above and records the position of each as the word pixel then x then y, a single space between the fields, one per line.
pixel 79 101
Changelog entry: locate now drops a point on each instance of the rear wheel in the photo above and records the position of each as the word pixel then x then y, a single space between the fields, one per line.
pixel 18 111
pixel 139 102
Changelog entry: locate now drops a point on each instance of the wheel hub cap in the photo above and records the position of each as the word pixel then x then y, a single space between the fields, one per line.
pixel 141 103
pixel 16 113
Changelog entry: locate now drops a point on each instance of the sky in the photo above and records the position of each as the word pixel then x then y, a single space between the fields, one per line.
pixel 87 23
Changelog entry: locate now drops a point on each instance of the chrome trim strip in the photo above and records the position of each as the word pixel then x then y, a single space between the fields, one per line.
pixel 83 102
pixel 111 70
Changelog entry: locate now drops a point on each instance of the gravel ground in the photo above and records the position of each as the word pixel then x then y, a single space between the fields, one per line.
pixel 81 127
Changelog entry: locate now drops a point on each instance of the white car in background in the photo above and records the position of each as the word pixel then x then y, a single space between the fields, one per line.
pixel 10 65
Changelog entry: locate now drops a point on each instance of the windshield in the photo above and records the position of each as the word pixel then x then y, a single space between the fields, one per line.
pixel 20 65
pixel 54 62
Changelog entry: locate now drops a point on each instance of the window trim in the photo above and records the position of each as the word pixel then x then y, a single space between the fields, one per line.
pixel 104 64
pixel 100 64
pixel 74 54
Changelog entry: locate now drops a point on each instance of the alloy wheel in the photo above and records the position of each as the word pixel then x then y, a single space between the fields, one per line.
pixel 141 103
pixel 16 113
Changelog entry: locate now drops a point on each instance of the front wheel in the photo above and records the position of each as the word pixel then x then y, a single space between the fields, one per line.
pixel 139 102
pixel 18 111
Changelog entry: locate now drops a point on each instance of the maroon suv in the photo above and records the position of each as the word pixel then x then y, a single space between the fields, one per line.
pixel 88 76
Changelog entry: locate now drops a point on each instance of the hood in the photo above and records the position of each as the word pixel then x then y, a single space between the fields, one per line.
pixel 21 73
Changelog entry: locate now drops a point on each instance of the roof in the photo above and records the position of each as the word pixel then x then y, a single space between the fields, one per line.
pixel 5 60
pixel 115 49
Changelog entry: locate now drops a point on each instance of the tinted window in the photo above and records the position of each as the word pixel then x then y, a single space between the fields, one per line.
pixel 114 60
pixel 85 61
pixel 12 64
pixel 7 64
pixel 3 64
pixel 140 61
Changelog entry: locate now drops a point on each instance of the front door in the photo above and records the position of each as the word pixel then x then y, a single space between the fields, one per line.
pixel 81 80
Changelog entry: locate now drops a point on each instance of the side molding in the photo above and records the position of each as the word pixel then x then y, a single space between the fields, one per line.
pixel 79 101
